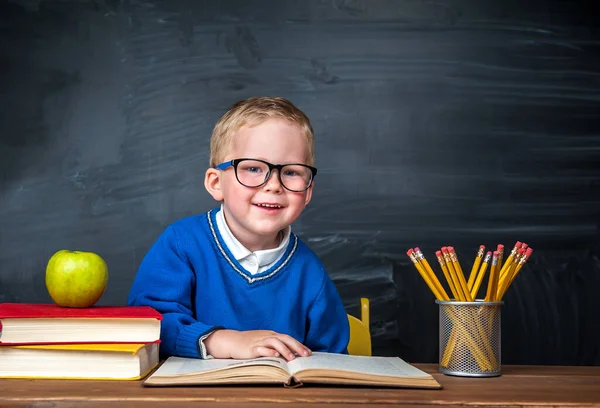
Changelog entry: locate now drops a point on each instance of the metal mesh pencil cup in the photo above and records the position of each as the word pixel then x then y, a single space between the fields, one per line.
pixel 470 338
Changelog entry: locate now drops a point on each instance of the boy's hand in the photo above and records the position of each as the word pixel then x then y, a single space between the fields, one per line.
pixel 253 343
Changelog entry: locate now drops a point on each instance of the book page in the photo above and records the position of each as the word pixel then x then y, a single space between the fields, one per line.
pixel 175 366
pixel 388 366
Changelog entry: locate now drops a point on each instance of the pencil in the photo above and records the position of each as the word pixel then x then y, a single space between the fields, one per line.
pixel 500 249
pixel 431 273
pixel 524 247
pixel 510 258
pixel 493 279
pixel 442 263
pixel 481 274
pixel 522 262
pixel 413 257
pixel 453 274
pixel 505 279
pixel 460 274
pixel 475 268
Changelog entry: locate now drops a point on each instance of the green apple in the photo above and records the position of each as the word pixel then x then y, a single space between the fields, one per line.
pixel 76 278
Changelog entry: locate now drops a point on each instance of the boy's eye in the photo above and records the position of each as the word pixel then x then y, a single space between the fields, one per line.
pixel 252 169
pixel 295 171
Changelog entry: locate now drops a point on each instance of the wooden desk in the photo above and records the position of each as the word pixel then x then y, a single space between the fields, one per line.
pixel 519 386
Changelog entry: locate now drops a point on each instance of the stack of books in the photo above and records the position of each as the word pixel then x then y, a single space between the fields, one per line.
pixel 102 342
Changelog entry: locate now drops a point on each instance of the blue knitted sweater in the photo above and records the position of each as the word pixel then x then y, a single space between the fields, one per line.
pixel 191 277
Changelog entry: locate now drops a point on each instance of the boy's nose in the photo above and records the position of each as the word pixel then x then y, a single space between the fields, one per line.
pixel 273 183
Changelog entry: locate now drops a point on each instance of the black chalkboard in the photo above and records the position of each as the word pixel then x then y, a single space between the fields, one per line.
pixel 455 122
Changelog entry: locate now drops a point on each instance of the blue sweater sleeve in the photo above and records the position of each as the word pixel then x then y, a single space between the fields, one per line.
pixel 328 327
pixel 165 281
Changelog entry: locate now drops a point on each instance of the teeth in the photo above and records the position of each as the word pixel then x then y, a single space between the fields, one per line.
pixel 269 205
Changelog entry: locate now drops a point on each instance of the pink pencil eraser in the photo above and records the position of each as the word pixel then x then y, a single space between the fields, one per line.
pixel 417 249
pixel 496 253
pixel 410 251
pixel 528 252
pixel 489 253
pixel 444 249
pixel 482 246
pixel 499 247
pixel 524 245
pixel 520 251
pixel 450 249
pixel 518 244
pixel 438 253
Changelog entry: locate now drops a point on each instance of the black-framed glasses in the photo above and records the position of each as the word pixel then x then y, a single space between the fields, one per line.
pixel 253 173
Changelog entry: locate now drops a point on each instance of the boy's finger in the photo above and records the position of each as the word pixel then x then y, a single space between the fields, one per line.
pixel 264 351
pixel 280 346
pixel 294 345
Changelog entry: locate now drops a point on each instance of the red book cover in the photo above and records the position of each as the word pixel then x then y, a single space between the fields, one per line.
pixel 36 310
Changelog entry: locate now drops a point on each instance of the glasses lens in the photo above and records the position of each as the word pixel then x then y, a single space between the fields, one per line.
pixel 296 177
pixel 252 173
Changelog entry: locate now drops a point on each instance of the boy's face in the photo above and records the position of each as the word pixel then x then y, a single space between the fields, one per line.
pixel 254 225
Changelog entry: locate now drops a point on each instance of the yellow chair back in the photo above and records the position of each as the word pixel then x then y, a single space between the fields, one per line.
pixel 360 335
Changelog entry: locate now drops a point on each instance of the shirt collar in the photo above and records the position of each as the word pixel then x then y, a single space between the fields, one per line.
pixel 240 252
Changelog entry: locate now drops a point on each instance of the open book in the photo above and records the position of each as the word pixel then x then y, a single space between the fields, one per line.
pixel 321 368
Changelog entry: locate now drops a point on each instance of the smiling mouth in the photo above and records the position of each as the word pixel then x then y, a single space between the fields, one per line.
pixel 274 206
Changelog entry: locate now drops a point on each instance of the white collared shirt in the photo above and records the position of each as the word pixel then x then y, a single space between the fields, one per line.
pixel 257 261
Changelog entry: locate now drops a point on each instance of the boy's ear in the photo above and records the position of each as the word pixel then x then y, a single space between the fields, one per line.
pixel 212 184
pixel 309 194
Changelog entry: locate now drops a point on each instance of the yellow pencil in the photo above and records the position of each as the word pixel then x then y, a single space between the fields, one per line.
pixel 475 268
pixel 460 274
pixel 413 257
pixel 432 275
pixel 505 279
pixel 510 258
pixel 522 262
pixel 519 266
pixel 454 275
pixel 446 272
pixel 481 274
pixel 524 259
pixel 493 279
pixel 500 249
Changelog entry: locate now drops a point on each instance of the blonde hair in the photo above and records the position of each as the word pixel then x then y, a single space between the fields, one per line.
pixel 252 112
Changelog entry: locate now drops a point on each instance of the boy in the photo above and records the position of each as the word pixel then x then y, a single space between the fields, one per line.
pixel 235 282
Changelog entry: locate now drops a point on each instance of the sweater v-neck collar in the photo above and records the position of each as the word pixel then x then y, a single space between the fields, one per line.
pixel 236 266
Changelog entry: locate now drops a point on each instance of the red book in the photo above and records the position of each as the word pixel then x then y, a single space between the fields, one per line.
pixel 26 323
